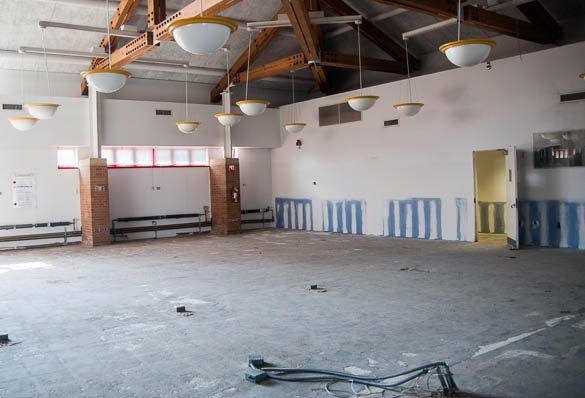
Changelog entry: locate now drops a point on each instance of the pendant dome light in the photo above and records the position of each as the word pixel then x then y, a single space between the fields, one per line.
pixel 43 110
pixel 468 52
pixel 251 107
pixel 187 126
pixel 107 80
pixel 22 123
pixel 202 35
pixel 361 102
pixel 409 108
pixel 228 119
pixel 294 127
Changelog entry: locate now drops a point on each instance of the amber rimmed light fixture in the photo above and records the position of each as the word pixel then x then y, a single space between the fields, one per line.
pixel 469 52
pixel 202 35
pixel 187 126
pixel 582 75
pixel 22 123
pixel 294 127
pixel 228 119
pixel 43 110
pixel 107 80
pixel 409 108
pixel 251 107
pixel 361 102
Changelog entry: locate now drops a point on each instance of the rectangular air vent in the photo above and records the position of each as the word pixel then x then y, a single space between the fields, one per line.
pixel 393 122
pixel 11 107
pixel 572 97
pixel 337 114
pixel 164 112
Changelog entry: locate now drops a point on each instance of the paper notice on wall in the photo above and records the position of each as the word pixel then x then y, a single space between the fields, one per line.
pixel 24 191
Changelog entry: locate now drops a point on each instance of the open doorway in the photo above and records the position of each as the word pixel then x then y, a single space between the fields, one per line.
pixel 491 209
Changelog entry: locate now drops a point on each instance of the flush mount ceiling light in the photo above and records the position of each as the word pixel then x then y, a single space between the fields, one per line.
pixel 23 123
pixel 107 80
pixel 249 106
pixel 294 127
pixel 361 102
pixel 408 108
pixel 43 110
pixel 228 119
pixel 187 126
pixel 468 52
pixel 202 35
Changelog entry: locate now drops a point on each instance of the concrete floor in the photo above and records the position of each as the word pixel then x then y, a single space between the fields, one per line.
pixel 101 322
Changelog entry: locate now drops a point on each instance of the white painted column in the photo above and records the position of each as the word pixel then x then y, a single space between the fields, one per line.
pixel 95 123
pixel 227 145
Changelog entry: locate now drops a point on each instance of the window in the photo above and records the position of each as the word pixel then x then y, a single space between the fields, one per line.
pixel 125 157
pixel 67 158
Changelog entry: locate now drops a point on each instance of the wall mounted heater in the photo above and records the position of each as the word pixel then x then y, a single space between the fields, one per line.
pixel 389 123
pixel 164 112
pixel 573 97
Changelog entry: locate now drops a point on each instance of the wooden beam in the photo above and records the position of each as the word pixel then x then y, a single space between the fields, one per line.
pixel 261 41
pixel 284 65
pixel 479 18
pixel 539 15
pixel 157 12
pixel 373 33
pixel 339 60
pixel 210 7
pixel 299 17
pixel 130 52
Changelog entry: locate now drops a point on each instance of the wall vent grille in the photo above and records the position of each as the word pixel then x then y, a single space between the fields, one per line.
pixel 337 114
pixel 164 112
pixel 572 97
pixel 11 107
pixel 393 122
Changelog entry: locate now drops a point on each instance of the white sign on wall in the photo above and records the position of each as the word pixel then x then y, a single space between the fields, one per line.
pixel 24 191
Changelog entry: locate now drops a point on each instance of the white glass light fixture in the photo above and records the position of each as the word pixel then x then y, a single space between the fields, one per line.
pixel 228 119
pixel 202 35
pixel 294 127
pixel 470 52
pixel 251 107
pixel 409 108
pixel 187 126
pixel 43 110
pixel 361 102
pixel 107 80
pixel 23 123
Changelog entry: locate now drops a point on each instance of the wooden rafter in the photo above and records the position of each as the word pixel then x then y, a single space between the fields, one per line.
pixel 539 15
pixel 373 33
pixel 157 12
pixel 264 38
pixel 479 18
pixel 284 65
pixel 299 17
pixel 124 12
pixel 338 60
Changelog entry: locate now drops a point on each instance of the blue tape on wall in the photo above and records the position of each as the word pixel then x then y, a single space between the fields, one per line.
pixel 492 217
pixel 462 218
pixel 552 223
pixel 344 216
pixel 415 218
pixel 294 214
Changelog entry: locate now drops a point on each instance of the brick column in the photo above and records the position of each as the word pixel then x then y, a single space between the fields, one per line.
pixel 224 176
pixel 95 202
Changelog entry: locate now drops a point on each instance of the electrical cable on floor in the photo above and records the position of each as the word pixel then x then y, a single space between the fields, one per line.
pixel 407 379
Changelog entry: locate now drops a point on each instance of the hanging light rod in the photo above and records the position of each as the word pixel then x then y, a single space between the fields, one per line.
pixel 84 28
pixel 316 18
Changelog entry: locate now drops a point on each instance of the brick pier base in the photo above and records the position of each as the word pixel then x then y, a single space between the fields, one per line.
pixel 95 202
pixel 224 177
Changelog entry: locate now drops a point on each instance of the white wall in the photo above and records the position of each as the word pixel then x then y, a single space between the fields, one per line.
pixel 430 155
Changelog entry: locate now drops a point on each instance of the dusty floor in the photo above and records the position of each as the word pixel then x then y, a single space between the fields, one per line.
pixel 101 322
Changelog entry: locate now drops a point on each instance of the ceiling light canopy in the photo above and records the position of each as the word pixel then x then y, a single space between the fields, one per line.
pixel 106 80
pixel 202 35
pixel 42 111
pixel 294 127
pixel 362 103
pixel 409 108
pixel 253 107
pixel 468 52
pixel 229 119
pixel 188 127
pixel 23 123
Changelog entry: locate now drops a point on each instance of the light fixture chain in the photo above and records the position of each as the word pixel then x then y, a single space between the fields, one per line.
pixel 186 93
pixel 459 20
pixel 108 35
pixel 21 80
pixel 360 56
pixel 293 95
pixel 46 63
pixel 408 71
pixel 249 56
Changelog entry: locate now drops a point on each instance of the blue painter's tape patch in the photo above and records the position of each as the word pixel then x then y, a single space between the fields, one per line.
pixel 294 213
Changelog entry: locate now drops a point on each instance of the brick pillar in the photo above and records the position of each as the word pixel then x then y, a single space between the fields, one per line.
pixel 95 202
pixel 224 176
